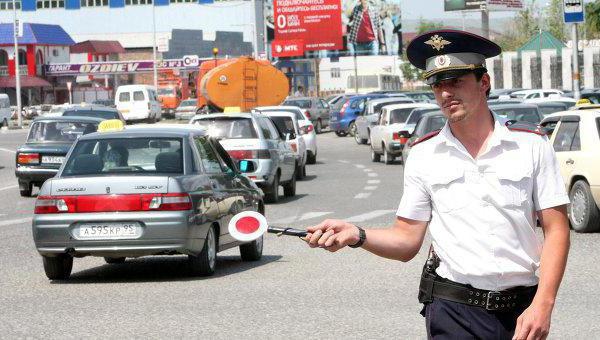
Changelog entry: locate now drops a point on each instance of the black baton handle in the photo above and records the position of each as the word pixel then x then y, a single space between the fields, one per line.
pixel 287 231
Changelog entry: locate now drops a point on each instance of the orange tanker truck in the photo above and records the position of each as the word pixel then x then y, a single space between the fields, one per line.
pixel 241 82
pixel 171 91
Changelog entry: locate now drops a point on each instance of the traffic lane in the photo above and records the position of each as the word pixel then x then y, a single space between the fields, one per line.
pixel 13 206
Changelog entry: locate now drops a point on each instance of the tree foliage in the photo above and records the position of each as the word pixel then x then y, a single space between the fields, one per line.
pixel 427 25
pixel 554 20
pixel 410 73
pixel 592 20
pixel 524 25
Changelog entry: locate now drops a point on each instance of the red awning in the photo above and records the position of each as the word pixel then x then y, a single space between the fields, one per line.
pixel 98 47
pixel 26 81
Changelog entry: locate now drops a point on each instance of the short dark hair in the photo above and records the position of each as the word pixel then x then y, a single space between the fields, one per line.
pixel 478 75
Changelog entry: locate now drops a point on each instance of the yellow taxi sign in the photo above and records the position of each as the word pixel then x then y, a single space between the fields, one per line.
pixel 111 125
pixel 583 101
pixel 232 109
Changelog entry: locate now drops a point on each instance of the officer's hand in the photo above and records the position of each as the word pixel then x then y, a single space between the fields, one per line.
pixel 534 323
pixel 332 235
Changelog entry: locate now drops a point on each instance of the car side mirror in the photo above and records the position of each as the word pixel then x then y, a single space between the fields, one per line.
pixel 246 166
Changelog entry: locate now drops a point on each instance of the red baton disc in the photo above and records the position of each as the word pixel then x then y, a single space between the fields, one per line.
pixel 247 225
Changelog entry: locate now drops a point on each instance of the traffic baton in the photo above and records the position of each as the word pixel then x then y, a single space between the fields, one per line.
pixel 250 225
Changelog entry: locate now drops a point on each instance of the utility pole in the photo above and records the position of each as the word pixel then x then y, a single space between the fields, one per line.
pixel 154 67
pixel 355 74
pixel 485 22
pixel 576 92
pixel 17 69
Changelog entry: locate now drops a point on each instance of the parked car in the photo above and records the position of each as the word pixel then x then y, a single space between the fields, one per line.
pixel 576 141
pixel 287 123
pixel 143 191
pixel 554 98
pixel 307 129
pixel 503 100
pixel 385 138
pixel 5 112
pixel 138 102
pixel 416 114
pixel 186 109
pixel 536 93
pixel 103 112
pixel 343 116
pixel 427 123
pixel 105 102
pixel 315 109
pixel 370 115
pixel 421 96
pixel 518 112
pixel 497 93
pixel 255 138
pixel 547 107
pixel 47 144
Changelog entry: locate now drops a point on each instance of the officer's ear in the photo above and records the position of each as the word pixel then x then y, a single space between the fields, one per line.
pixel 484 81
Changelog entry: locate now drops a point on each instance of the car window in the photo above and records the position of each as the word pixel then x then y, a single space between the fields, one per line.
pixel 191 102
pixel 519 114
pixel 59 131
pixel 228 127
pixel 598 126
pixel 124 97
pixel 323 103
pixel 284 124
pixel 565 136
pixel 435 123
pixel 143 156
pixel 400 115
pixel 138 96
pixel 274 132
pixel 302 103
pixel 264 128
pixel 548 109
pixel 416 114
pixel 92 113
pixel 208 156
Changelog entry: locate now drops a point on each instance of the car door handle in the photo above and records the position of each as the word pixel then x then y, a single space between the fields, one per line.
pixel 570 161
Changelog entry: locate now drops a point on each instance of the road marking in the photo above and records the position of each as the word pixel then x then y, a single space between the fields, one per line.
pixel 372 174
pixel 362 195
pixel 305 216
pixel 9 187
pixel 370 187
pixel 7 150
pixel 360 166
pixel 367 170
pixel 368 216
pixel 343 161
pixel 17 221
pixel 373 181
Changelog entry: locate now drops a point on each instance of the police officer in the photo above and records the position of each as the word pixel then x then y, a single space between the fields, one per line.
pixel 480 186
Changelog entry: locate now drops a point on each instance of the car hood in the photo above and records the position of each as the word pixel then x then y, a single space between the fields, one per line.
pixel 102 185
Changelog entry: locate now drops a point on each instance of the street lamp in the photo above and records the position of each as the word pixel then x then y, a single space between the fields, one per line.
pixel 154 70
pixel 16 59
pixel 215 51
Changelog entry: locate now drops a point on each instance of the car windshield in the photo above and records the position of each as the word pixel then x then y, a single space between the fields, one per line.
pixel 144 155
pixel 284 124
pixel 436 123
pixel 416 114
pixel 92 113
pixel 400 115
pixel 377 107
pixel 299 115
pixel 166 91
pixel 302 103
pixel 518 95
pixel 228 127
pixel 521 114
pixel 59 131
pixel 548 109
pixel 190 102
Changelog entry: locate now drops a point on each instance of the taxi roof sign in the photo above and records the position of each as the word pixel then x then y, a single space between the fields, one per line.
pixel 232 109
pixel 583 101
pixel 111 125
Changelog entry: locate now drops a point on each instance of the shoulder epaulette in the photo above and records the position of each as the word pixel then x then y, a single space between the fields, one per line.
pixel 525 127
pixel 425 137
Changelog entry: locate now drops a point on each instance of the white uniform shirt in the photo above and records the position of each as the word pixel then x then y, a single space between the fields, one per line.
pixel 481 212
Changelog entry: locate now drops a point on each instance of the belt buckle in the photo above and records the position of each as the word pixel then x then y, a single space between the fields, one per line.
pixel 489 303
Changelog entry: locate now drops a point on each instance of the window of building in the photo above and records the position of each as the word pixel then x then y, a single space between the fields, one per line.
pixel 50 4
pixel 335 72
pixel 94 3
pixel 7 5
pixel 138 2
pixel 182 1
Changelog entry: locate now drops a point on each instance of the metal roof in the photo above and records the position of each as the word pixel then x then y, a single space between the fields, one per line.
pixel 36 34
pixel 98 47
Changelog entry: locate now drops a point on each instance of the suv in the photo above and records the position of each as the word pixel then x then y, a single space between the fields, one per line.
pixel 254 137
pixel 576 141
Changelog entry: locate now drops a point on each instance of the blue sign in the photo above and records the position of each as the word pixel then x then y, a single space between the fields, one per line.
pixel 573 10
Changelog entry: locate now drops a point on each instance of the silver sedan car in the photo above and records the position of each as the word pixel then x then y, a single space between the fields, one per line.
pixel 143 191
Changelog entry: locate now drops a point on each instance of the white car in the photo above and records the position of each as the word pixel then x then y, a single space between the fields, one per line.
pixel 5 112
pixel 307 129
pixel 537 93
pixel 554 98
pixel 138 102
pixel 287 123
pixel 370 116
pixel 385 138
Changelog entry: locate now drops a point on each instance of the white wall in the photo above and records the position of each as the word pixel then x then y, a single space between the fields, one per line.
pixel 366 65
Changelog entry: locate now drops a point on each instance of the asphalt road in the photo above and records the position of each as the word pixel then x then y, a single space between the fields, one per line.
pixel 294 292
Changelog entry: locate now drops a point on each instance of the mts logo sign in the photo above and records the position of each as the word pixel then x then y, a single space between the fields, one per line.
pixel 287 48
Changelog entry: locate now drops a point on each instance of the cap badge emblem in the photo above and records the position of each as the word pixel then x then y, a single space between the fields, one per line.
pixel 437 42
pixel 442 61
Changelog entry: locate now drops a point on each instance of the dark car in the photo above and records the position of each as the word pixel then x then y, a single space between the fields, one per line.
pixel 315 109
pixel 344 114
pixel 518 112
pixel 495 94
pixel 421 96
pixel 427 123
pixel 48 142
pixel 105 102
pixel 93 111
pixel 547 108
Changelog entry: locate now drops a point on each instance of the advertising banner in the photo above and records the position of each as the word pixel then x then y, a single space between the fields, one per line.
pixel 491 5
pixel 119 67
pixel 505 5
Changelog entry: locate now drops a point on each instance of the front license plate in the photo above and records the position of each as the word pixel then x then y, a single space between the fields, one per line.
pixel 53 159
pixel 108 231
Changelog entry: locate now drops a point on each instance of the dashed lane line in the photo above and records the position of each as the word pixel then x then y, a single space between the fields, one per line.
pixel 372 174
pixel 360 166
pixel 370 188
pixel 7 150
pixel 373 181
pixel 16 221
pixel 9 187
pixel 368 216
pixel 362 195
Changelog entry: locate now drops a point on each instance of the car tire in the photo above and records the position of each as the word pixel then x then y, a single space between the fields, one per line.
pixel 583 212
pixel 375 157
pixel 58 267
pixel 301 172
pixel 357 138
pixel 387 158
pixel 272 195
pixel 352 129
pixel 289 188
pixel 318 127
pixel 368 142
pixel 252 251
pixel 205 262
pixel 341 133
pixel 4 123
pixel 114 260
pixel 27 191
pixel 311 158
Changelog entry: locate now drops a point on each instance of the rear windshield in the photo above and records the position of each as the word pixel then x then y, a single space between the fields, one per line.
pixel 305 104
pixel 138 96
pixel 284 124
pixel 518 114
pixel 416 114
pixel 93 113
pixel 166 91
pixel 400 115
pixel 191 102
pixel 124 97
pixel 229 127
pixel 125 155
pixel 299 115
pixel 59 131
pixel 548 109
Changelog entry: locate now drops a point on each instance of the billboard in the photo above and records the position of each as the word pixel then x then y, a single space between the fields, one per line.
pixel 333 28
pixel 491 5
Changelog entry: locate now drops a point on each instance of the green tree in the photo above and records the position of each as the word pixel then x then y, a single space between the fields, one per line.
pixel 524 25
pixel 554 21
pixel 592 19
pixel 427 25
pixel 410 73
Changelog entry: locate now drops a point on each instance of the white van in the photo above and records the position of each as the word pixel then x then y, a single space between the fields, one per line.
pixel 5 111
pixel 138 102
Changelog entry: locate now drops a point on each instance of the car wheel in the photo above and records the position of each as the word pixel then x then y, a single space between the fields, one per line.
pixel 357 138
pixel 289 189
pixel 114 260
pixel 300 172
pixel 59 267
pixel 4 123
pixel 272 195
pixel 252 251
pixel 341 133
pixel 204 264
pixel 25 189
pixel 311 158
pixel 318 127
pixel 375 157
pixel 387 158
pixel 352 129
pixel 583 212
pixel 368 138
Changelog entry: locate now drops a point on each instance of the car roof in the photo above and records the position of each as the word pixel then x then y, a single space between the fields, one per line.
pixel 230 115
pixel 160 130
pixel 409 105
pixel 433 113
pixel 280 114
pixel 580 113
pixel 93 107
pixel 552 103
pixel 514 106
pixel 390 99
pixel 281 107
pixel 69 119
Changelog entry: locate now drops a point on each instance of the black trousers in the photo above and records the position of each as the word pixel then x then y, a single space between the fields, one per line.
pixel 452 320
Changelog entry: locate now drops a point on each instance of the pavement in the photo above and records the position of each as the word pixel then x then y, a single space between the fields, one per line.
pixel 294 292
